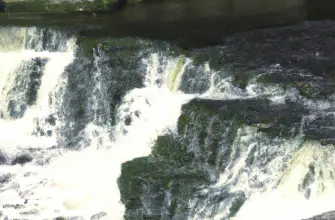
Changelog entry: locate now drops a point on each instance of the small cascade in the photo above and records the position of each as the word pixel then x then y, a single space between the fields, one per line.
pixel 81 182
pixel 132 129
pixel 31 81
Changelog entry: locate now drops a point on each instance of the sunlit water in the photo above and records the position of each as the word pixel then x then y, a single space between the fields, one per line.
pixel 64 182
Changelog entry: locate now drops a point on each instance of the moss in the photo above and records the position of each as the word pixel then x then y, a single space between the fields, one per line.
pixel 205 127
pixel 172 166
pixel 307 86
pixel 241 81
pixel 112 45
pixel 309 90
pixel 130 184
pixel 155 176
pixel 87 45
pixel 215 62
pixel 173 207
pixel 236 205
pixel 183 120
pixel 179 66
pixel 166 181
pixel 212 57
pixel 172 150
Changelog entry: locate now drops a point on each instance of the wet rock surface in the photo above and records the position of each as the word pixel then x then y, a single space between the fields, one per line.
pixel 24 93
pixel 99 216
pixel 184 163
pixel 22 159
pixel 300 68
pixel 3 159
pixel 324 216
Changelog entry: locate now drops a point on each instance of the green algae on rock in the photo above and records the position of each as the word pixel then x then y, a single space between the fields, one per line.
pixel 178 167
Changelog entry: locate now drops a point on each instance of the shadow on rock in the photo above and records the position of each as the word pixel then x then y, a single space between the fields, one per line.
pixel 22 159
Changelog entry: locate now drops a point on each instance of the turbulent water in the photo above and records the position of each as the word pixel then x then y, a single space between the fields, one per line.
pixel 72 121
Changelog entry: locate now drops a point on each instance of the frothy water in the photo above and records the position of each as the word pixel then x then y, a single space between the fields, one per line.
pixel 266 177
pixel 312 168
pixel 78 183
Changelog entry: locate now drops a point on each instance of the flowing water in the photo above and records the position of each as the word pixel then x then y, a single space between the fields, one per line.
pixel 134 129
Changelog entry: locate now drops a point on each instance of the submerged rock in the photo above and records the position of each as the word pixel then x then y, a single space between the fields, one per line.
pixel 325 216
pixel 4 178
pixel 98 216
pixel 3 159
pixel 22 159
pixel 15 206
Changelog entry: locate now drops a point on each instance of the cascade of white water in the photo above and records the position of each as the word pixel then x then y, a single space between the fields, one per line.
pixel 14 78
pixel 81 182
pixel 306 187
pixel 281 178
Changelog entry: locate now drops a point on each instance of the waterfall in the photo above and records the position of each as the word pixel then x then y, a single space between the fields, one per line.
pixel 124 128
pixel 31 81
pixel 59 181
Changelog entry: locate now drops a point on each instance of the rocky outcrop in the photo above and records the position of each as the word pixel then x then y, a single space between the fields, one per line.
pixel 324 216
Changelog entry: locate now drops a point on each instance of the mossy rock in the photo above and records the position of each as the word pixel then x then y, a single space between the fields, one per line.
pixel 173 169
pixel 178 165
pixel 308 86
pixel 282 119
pixel 150 180
pixel 237 203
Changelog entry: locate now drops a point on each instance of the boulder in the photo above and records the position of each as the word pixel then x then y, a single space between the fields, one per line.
pixel 3 159
pixel 22 159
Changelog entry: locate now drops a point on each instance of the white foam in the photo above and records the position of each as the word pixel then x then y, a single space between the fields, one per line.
pixel 51 82
pixel 286 201
pixel 85 182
